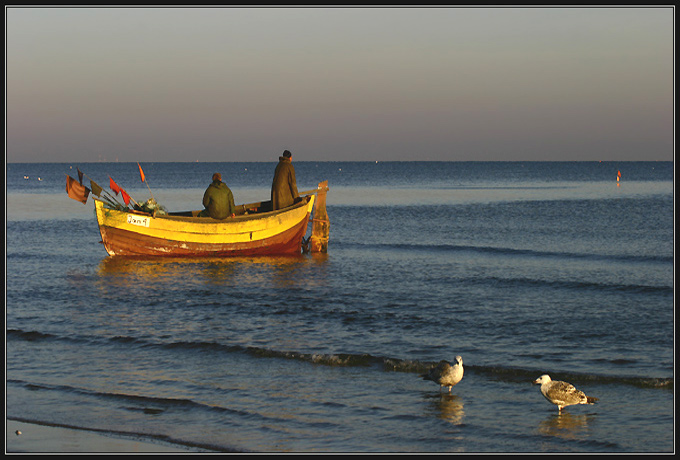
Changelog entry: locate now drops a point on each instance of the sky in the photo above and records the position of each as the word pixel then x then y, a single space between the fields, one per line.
pixel 339 84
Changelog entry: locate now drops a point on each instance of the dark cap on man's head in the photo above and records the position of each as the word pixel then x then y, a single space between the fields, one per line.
pixel 286 154
pixel 217 176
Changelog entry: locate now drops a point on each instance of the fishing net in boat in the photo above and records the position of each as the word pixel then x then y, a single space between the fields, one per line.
pixel 152 207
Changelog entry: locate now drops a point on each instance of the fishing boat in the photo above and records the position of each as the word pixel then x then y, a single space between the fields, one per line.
pixel 255 230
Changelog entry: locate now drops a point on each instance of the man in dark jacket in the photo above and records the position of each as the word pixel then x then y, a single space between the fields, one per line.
pixel 218 200
pixel 284 187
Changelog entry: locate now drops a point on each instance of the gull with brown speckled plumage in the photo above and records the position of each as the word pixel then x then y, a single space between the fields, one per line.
pixel 562 394
pixel 445 374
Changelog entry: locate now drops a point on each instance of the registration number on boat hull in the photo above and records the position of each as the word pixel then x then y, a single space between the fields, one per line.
pixel 140 221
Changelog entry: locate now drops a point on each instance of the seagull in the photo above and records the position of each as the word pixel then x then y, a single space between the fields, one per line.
pixel 445 374
pixel 562 394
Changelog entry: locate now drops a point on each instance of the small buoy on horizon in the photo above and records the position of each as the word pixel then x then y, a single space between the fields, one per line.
pixel 17 432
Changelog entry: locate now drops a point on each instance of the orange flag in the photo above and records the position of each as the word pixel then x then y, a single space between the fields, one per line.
pixel 141 173
pixel 114 186
pixel 76 190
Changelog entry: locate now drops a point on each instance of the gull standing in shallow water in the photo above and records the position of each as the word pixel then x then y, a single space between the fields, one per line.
pixel 562 394
pixel 445 374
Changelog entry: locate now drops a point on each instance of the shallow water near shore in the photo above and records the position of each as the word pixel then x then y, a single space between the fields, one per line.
pixel 521 268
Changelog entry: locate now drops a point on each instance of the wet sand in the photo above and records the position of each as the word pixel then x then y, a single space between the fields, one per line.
pixel 23 437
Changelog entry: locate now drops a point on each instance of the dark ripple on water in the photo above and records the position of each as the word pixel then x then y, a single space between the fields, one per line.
pixel 390 364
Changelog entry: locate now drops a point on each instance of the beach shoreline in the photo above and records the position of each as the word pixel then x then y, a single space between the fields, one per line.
pixel 25 437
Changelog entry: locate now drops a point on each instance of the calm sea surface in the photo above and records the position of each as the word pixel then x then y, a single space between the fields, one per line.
pixel 520 268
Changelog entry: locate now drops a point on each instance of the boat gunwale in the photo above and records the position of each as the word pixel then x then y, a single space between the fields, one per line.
pixel 210 220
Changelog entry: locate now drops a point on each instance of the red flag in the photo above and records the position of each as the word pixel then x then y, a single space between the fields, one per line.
pixel 76 191
pixel 141 173
pixel 125 196
pixel 114 186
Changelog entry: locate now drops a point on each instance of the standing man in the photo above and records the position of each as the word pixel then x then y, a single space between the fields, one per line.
pixel 218 200
pixel 284 187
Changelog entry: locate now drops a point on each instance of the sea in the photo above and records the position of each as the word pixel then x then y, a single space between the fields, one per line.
pixel 520 268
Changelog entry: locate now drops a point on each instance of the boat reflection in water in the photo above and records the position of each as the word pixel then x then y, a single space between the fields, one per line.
pixel 170 273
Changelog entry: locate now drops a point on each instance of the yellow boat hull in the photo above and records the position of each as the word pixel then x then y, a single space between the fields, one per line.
pixel 139 234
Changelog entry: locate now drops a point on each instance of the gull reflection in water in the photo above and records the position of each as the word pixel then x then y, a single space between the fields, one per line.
pixel 565 425
pixel 449 407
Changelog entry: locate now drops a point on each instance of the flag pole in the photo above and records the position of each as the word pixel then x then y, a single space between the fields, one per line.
pixel 147 186
pixel 108 198
pixel 133 200
pixel 126 197
pixel 143 177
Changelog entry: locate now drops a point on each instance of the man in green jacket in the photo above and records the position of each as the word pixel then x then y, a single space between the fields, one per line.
pixel 284 187
pixel 218 200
